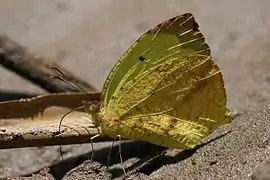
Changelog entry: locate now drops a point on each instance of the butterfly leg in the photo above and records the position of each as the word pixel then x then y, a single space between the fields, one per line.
pixel 92 146
pixel 120 153
pixel 93 137
pixel 109 154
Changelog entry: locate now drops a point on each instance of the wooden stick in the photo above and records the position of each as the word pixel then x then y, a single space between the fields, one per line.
pixel 37 134
pixel 19 60
pixel 35 121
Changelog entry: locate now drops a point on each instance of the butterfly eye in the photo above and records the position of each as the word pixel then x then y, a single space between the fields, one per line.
pixel 93 106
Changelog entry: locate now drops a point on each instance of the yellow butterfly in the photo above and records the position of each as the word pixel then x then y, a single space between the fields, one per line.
pixel 166 89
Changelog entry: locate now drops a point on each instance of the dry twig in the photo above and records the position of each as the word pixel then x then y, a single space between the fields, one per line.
pixel 35 69
pixel 34 121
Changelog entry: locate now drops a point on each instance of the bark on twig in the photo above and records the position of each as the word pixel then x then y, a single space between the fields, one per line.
pixel 32 107
pixel 35 121
pixel 36 134
pixel 19 60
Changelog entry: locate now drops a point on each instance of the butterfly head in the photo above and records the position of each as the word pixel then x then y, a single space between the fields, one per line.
pixel 92 108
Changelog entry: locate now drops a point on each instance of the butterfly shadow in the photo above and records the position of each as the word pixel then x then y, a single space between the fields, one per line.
pixel 149 164
pixel 130 149
pixel 143 157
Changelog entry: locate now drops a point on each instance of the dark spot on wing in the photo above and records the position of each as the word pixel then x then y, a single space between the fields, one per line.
pixel 141 58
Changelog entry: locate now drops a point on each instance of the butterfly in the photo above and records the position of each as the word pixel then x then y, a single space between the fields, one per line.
pixel 165 89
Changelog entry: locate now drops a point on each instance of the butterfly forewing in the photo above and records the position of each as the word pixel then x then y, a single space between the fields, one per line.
pixel 166 89
pixel 171 39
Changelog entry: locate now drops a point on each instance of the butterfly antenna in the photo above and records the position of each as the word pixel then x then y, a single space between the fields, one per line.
pixel 60 123
pixel 69 83
pixel 65 115
pixel 58 70
pixel 63 78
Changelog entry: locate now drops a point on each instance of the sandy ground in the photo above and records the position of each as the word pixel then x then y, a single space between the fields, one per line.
pixel 87 37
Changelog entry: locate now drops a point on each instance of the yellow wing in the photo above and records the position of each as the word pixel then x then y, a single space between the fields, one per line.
pixel 175 100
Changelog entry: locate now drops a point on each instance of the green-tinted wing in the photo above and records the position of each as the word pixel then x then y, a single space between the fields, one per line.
pixel 171 39
pixel 165 89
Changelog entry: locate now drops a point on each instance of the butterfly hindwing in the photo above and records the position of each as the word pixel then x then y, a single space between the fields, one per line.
pixel 166 89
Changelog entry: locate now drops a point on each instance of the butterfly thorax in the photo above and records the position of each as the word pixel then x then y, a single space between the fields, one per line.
pixel 92 108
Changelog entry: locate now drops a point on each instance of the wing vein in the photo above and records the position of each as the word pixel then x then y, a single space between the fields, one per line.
pixel 150 114
pixel 155 91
